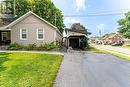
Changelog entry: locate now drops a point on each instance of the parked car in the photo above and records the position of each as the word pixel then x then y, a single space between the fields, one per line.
pixel 117 44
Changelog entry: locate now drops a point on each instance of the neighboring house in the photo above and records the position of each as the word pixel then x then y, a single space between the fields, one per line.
pixel 29 29
pixel 126 41
pixel 76 36
pixel 113 38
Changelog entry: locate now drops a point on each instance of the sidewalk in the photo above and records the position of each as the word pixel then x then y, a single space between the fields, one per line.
pixel 46 52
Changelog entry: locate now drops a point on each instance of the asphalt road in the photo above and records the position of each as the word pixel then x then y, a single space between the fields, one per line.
pixel 85 69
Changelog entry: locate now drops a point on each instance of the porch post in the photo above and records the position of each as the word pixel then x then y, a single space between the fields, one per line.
pixel 79 42
pixel 67 42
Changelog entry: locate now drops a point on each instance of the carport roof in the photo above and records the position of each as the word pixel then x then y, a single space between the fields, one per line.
pixel 78 31
pixel 3 28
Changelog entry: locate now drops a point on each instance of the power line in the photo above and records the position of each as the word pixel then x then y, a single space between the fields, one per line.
pixel 90 15
pixel 118 10
pixel 102 13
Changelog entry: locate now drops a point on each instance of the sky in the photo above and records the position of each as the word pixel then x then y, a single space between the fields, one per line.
pixel 107 24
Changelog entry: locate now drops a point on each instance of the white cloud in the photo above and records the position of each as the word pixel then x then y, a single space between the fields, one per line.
pixel 80 4
pixel 101 27
pixel 119 4
pixel 70 20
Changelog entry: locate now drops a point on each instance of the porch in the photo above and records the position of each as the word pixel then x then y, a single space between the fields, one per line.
pixel 5 37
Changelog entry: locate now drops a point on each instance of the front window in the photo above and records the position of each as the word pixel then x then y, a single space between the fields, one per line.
pixel 4 36
pixel 40 34
pixel 23 34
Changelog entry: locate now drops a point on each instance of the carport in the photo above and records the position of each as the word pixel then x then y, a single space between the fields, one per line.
pixel 76 42
pixel 76 36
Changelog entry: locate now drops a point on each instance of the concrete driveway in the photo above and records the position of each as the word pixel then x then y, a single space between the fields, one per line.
pixel 86 69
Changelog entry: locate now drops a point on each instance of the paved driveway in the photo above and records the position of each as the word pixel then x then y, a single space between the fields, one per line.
pixel 85 69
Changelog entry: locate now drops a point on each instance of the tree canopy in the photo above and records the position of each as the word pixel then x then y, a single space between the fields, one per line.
pixel 44 8
pixel 124 24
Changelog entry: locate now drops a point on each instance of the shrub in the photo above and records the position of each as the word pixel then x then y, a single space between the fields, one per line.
pixel 30 47
pixel 46 46
pixel 49 46
pixel 15 46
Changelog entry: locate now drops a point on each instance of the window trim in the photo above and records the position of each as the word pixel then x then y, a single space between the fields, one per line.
pixel 43 34
pixel 2 36
pixel 21 34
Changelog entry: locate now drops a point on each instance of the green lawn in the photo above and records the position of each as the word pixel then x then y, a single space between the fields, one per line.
pixel 128 47
pixel 95 50
pixel 28 69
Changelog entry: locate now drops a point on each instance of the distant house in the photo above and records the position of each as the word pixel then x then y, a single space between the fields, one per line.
pixel 112 39
pixel 28 29
pixel 126 41
pixel 76 36
pixel 96 40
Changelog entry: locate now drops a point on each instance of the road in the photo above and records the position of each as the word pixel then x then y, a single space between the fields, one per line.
pixel 86 69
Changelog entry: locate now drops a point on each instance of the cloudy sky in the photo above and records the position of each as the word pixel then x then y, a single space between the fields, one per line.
pixel 107 23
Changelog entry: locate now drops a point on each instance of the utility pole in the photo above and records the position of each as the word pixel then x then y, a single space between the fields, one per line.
pixel 100 33
pixel 55 19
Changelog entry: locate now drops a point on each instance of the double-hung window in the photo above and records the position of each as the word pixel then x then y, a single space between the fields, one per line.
pixel 23 34
pixel 40 34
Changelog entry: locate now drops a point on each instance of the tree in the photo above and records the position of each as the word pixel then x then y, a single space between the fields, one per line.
pixel 44 8
pixel 124 24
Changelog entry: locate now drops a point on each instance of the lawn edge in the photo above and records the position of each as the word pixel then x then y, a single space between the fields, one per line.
pixel 120 55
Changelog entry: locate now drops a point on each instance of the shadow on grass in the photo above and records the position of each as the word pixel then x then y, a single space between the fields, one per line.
pixel 3 58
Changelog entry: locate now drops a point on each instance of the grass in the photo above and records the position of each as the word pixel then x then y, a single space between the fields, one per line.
pixel 128 46
pixel 109 52
pixel 28 69
pixel 92 49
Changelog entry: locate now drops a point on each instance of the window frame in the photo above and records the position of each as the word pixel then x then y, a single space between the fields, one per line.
pixel 38 33
pixel 22 34
pixel 2 35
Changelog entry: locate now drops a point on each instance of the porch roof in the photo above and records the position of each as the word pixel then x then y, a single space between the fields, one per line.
pixel 4 29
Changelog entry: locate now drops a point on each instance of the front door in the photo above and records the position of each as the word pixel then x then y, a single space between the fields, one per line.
pixel 4 36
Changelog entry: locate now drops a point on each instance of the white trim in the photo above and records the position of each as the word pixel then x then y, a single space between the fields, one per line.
pixel 21 34
pixel 26 15
pixel 2 36
pixel 43 34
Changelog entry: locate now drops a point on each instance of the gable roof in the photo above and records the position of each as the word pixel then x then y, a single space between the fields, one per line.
pixel 26 15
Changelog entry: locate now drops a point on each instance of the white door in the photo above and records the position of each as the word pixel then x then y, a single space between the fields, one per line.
pixel 4 36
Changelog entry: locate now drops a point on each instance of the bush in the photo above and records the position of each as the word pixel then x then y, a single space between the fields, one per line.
pixel 46 46
pixel 49 46
pixel 30 47
pixel 15 46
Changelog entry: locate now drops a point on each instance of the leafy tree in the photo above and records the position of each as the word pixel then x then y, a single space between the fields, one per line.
pixel 124 24
pixel 44 8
